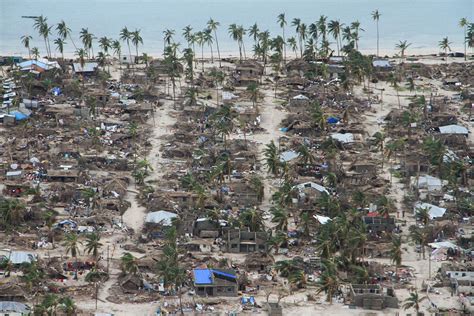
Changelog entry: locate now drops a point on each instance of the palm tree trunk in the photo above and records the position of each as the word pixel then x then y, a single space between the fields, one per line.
pixel 202 56
pixel 218 50
pixel 284 45
pixel 243 47
pixel 377 38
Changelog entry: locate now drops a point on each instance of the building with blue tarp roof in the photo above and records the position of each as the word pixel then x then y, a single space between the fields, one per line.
pixel 215 282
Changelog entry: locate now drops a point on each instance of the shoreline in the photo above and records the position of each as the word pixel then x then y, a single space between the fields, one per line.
pixel 384 53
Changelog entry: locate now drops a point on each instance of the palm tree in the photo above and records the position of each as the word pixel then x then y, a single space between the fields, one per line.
pixel 355 27
pixel 105 44
pixel 282 22
pixel 25 40
pixel 59 42
pixel 126 36
pixel 167 38
pixel 136 39
pixel 200 39
pixel 402 47
pixel 334 28
pixel 93 244
pixel 129 263
pixel 208 39
pixel 254 32
pixel 396 251
pixel 12 212
pixel 444 45
pixel 420 236
pixel 44 30
pixel 272 159
pixel 64 32
pixel 470 35
pixel 71 242
pixel 212 25
pixel 280 217
pixel 297 24
pixel 321 24
pixel 328 281
pixel 35 52
pixel 252 88
pixel 234 34
pixel 87 39
pixel 188 34
pixel 293 45
pixel 305 155
pixel 413 301
pixel 463 23
pixel 67 305
pixel 376 17
pixel 252 218
pixel 115 45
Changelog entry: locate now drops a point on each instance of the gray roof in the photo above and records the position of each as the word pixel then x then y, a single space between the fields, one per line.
pixel 382 63
pixel 288 155
pixel 19 257
pixel 161 217
pixel 9 306
pixel 88 67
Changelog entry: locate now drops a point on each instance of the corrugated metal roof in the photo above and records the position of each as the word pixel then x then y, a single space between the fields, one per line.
pixel 17 307
pixel 88 67
pixel 19 257
pixel 161 217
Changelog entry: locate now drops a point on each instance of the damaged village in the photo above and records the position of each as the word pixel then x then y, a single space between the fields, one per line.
pixel 325 181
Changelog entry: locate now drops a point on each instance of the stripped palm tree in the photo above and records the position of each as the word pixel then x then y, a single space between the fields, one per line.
pixel 376 17
pixel 44 30
pixel 463 23
pixel 213 25
pixel 64 32
pixel 126 36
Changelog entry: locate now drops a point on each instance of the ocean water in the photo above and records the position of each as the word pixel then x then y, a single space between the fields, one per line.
pixel 421 22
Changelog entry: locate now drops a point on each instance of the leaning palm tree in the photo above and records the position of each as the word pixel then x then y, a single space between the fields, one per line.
pixel 44 30
pixel 25 40
pixel 334 28
pixel 282 23
pixel 444 45
pixel 463 23
pixel 376 17
pixel 136 39
pixel 213 25
pixel 297 24
pixel 126 36
pixel 64 32
pixel 413 301
pixel 93 244
pixel 402 47
pixel 59 42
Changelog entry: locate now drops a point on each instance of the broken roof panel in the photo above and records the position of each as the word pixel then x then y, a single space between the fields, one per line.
pixel 453 129
pixel 343 138
pixel 160 217
pixel 312 185
pixel 433 210
pixel 288 155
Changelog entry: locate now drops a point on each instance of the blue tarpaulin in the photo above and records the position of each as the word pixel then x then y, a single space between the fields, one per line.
pixel 56 91
pixel 332 120
pixel 202 276
pixel 228 275
pixel 19 116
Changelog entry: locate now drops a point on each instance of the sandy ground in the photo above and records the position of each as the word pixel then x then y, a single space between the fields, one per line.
pixel 271 116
